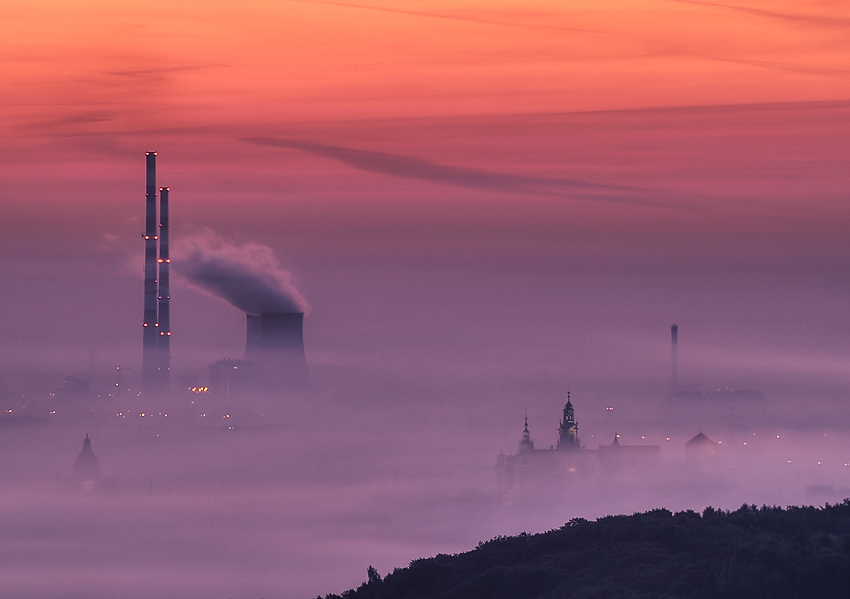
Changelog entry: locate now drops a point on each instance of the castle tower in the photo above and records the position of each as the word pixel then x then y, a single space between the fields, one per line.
pixel 568 429
pixel 526 444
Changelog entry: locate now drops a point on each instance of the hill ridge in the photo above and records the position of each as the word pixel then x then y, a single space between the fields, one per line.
pixel 751 552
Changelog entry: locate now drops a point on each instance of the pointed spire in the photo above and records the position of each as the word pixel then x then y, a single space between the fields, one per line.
pixel 569 412
pixel 526 444
pixel 568 429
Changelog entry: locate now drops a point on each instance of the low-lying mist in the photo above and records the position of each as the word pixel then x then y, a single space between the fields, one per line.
pixel 424 358
pixel 292 495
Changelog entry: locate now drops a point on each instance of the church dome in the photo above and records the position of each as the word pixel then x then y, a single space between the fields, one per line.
pixel 86 467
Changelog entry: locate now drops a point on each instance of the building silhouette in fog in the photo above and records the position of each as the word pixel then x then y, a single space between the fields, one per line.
pixel 700 444
pixel 86 471
pixel 568 429
pixel 274 358
pixel 274 343
pixel 568 464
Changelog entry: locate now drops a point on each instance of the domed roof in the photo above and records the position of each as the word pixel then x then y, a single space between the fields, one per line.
pixel 87 465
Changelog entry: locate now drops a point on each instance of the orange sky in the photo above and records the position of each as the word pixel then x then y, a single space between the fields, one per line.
pixel 671 115
pixel 95 65
pixel 505 199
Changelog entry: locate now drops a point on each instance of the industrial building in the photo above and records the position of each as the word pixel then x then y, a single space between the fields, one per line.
pixel 274 348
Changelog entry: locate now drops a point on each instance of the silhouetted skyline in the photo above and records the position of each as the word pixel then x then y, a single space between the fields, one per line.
pixel 478 208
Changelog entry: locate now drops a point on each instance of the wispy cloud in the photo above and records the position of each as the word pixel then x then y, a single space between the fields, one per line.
pixel 158 73
pixel 832 22
pixel 82 117
pixel 433 15
pixel 792 68
pixel 415 168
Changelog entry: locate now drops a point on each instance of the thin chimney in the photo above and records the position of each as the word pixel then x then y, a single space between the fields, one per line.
pixel 674 378
pixel 164 292
pixel 150 337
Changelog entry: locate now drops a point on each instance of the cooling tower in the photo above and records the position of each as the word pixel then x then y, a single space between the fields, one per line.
pixel 275 343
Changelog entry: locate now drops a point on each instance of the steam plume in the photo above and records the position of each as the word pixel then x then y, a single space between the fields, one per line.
pixel 249 276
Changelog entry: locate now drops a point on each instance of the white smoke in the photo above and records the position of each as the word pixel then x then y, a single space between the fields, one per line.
pixel 249 276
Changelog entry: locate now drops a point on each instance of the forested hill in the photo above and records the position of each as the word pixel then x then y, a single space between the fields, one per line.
pixel 749 553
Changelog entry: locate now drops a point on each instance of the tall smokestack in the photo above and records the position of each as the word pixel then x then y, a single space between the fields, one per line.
pixel 275 342
pixel 150 339
pixel 164 292
pixel 674 375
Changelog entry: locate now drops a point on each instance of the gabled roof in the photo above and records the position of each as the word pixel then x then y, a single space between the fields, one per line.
pixel 700 440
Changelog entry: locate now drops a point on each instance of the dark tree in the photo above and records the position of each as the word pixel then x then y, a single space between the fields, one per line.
pixel 750 553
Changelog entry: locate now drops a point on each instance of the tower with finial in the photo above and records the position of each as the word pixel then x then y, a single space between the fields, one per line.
pixel 526 444
pixel 568 429
pixel 87 467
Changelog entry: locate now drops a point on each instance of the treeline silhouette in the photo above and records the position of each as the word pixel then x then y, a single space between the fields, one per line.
pixel 748 553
